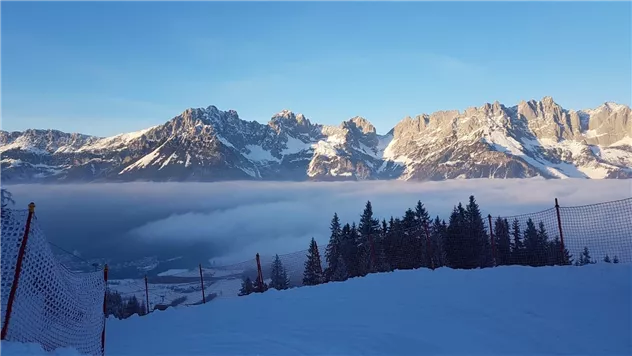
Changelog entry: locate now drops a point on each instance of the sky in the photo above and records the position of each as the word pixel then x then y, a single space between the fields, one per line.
pixel 229 222
pixel 104 68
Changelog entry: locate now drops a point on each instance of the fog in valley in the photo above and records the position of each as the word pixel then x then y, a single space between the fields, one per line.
pixel 230 222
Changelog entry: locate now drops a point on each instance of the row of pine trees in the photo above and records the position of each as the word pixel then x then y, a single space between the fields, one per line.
pixel 463 242
pixel 121 307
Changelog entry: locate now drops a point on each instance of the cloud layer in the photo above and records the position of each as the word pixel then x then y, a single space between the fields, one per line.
pixel 232 221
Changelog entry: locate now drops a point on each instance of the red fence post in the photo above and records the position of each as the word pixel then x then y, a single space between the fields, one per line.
pixel 428 247
pixel 491 235
pixel 559 226
pixel 146 296
pixel 18 270
pixel 202 282
pixel 105 300
pixel 259 274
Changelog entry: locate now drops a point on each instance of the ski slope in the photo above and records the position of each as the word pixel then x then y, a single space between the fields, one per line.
pixel 497 311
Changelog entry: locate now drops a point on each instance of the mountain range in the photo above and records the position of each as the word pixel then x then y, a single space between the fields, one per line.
pixel 530 139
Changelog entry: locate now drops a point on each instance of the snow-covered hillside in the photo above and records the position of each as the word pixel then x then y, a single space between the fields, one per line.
pixel 533 138
pixel 497 311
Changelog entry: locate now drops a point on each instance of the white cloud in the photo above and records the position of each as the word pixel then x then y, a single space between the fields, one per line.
pixel 242 218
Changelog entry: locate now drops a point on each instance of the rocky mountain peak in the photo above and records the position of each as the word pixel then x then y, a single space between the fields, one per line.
pixel 362 124
pixel 533 138
pixel 288 120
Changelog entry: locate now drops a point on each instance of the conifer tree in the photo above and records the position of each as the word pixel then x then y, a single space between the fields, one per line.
pixel 615 259
pixel 585 258
pixel 517 245
pixel 556 256
pixel 246 287
pixel 607 259
pixel 278 275
pixel 132 306
pixel 313 273
pixel 543 244
pixel 333 250
pixel 438 231
pixel 6 197
pixel 410 245
pixel 423 219
pixel 531 243
pixel 142 310
pixel 114 304
pixel 340 273
pixel 502 241
pixel 368 229
pixel 455 242
pixel 480 254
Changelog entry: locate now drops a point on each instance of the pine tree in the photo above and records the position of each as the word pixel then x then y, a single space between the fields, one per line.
pixel 555 256
pixel 340 273
pixel 6 197
pixel 333 250
pixel 541 252
pixel 438 231
pixel 423 220
pixel 132 306
pixel 615 259
pixel 278 275
pixel 410 245
pixel 502 241
pixel 585 257
pixel 531 244
pixel 313 273
pixel 607 259
pixel 142 310
pixel 368 230
pixel 114 304
pixel 517 245
pixel 246 287
pixel 480 254
pixel 455 242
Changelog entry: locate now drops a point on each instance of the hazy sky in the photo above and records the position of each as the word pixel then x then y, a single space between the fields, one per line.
pixel 109 67
pixel 233 221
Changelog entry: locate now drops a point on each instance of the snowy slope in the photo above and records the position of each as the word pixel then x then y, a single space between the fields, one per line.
pixel 488 311
pixel 498 311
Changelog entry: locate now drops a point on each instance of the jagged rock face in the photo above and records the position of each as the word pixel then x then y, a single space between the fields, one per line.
pixel 533 138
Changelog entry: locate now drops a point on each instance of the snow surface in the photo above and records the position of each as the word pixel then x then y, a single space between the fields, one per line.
pixel 172 272
pixel 497 311
pixel 258 153
pixel 547 310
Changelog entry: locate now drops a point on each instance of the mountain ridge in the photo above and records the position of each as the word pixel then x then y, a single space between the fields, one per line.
pixel 531 138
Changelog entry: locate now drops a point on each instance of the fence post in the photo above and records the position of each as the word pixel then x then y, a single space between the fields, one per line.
pixel 259 274
pixel 105 300
pixel 559 226
pixel 429 247
pixel 202 282
pixel 146 296
pixel 491 235
pixel 18 270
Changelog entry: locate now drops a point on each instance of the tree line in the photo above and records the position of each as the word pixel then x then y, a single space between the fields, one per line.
pixel 123 307
pixel 416 240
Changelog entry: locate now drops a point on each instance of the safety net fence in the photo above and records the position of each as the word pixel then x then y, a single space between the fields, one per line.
pixel 42 301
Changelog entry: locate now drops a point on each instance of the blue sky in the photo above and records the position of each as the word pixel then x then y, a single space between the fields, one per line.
pixel 111 67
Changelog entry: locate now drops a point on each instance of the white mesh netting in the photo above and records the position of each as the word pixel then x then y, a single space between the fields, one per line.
pixel 53 306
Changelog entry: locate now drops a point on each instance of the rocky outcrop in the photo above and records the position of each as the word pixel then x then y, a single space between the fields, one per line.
pixel 533 138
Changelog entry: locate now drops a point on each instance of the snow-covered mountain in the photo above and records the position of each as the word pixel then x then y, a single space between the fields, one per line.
pixel 534 138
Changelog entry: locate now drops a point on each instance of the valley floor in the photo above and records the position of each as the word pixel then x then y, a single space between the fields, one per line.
pixel 497 311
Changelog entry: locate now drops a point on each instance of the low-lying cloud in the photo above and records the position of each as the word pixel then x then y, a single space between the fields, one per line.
pixel 232 221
